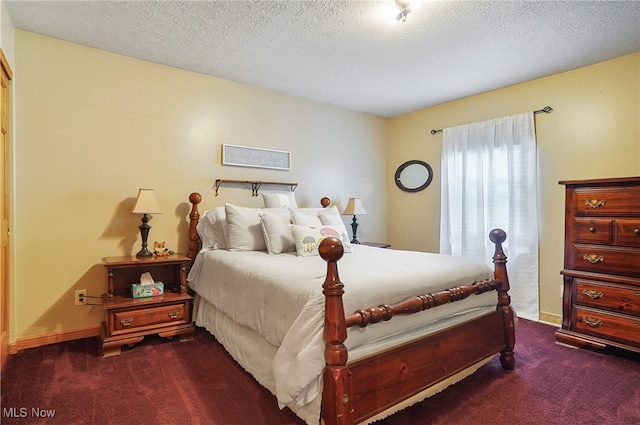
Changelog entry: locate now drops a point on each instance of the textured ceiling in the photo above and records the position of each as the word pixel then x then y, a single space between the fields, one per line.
pixel 346 53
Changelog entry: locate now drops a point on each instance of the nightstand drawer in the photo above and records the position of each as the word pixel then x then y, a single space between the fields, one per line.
pixel 622 299
pixel 616 327
pixel 592 230
pixel 601 259
pixel 627 232
pixel 125 320
pixel 607 201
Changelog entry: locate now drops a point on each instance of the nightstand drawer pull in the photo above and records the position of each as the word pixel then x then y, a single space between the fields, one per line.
pixel 592 321
pixel 594 203
pixel 593 294
pixel 126 321
pixel 637 294
pixel 592 229
pixel 636 231
pixel 593 258
pixel 174 314
pixel 151 314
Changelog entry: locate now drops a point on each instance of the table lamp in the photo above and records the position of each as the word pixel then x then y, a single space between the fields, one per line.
pixel 354 207
pixel 145 204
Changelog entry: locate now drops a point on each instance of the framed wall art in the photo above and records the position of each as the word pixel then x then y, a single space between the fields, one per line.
pixel 243 156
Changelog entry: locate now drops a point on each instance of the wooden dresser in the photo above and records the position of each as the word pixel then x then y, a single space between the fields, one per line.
pixel 601 297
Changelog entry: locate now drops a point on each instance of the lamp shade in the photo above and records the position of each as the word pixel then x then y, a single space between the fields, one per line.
pixel 354 207
pixel 146 203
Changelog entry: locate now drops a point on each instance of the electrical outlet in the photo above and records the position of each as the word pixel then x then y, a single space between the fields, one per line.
pixel 81 297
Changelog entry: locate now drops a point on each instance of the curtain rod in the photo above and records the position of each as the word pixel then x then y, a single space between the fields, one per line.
pixel 546 110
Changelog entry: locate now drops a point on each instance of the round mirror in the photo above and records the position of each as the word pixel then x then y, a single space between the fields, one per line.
pixel 414 176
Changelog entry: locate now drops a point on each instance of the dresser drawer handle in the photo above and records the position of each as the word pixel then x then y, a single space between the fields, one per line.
pixel 126 321
pixel 592 229
pixel 637 294
pixel 174 314
pixel 593 294
pixel 592 321
pixel 151 314
pixel 636 231
pixel 593 258
pixel 594 203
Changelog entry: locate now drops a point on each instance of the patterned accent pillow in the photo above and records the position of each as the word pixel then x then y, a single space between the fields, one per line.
pixel 315 217
pixel 307 239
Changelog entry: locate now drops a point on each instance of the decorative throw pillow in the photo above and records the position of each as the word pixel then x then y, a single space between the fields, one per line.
pixel 307 239
pixel 306 218
pixel 245 228
pixel 276 231
pixel 279 199
pixel 206 232
pixel 217 218
pixel 322 216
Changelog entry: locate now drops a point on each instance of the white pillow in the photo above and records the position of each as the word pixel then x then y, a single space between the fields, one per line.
pixel 217 218
pixel 245 228
pixel 307 239
pixel 205 231
pixel 306 218
pixel 279 199
pixel 276 231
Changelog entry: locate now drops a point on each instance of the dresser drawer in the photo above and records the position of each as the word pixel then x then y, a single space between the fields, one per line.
pixel 125 320
pixel 627 232
pixel 602 259
pixel 592 230
pixel 617 327
pixel 623 299
pixel 607 201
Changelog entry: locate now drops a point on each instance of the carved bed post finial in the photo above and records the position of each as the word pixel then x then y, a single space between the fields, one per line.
pixel 194 216
pixel 498 236
pixel 337 393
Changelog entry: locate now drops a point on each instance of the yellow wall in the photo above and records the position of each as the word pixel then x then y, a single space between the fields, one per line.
pixel 92 127
pixel 594 131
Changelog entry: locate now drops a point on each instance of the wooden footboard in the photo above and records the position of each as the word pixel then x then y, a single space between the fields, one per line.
pixel 354 392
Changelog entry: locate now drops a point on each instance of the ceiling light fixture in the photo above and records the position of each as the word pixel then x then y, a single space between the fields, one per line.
pixel 404 7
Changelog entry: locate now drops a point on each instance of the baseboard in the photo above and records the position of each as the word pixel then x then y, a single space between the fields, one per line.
pixel 550 319
pixel 52 338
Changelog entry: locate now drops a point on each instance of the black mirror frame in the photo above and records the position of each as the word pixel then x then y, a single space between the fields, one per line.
pixel 402 167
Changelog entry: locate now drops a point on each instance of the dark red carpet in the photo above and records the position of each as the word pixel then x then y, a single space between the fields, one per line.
pixel 196 382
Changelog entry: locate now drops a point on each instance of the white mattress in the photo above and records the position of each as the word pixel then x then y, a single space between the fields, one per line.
pixel 268 310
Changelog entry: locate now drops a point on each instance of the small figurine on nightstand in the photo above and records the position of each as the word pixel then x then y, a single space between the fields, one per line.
pixel 160 250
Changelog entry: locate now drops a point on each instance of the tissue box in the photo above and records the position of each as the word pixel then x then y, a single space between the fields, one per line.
pixel 151 290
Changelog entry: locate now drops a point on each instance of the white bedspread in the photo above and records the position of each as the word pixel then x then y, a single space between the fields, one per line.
pixel 280 297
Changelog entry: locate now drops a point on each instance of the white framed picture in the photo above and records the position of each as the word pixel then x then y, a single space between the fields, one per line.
pixel 244 156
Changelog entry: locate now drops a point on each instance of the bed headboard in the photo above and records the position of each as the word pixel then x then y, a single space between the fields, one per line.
pixel 195 244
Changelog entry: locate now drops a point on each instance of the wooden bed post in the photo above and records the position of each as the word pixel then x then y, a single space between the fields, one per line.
pixel 498 236
pixel 337 392
pixel 194 216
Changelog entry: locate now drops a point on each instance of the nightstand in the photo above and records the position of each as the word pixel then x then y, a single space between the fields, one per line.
pixel 128 320
pixel 376 244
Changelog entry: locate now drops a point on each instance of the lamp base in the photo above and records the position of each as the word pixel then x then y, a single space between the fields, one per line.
pixel 144 233
pixel 144 253
pixel 354 228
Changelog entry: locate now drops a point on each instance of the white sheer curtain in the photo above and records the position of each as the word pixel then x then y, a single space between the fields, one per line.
pixel 489 180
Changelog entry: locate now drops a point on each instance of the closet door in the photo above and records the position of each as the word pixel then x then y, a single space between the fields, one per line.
pixel 5 206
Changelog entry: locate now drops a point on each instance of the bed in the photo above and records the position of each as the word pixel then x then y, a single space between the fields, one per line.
pixel 282 317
